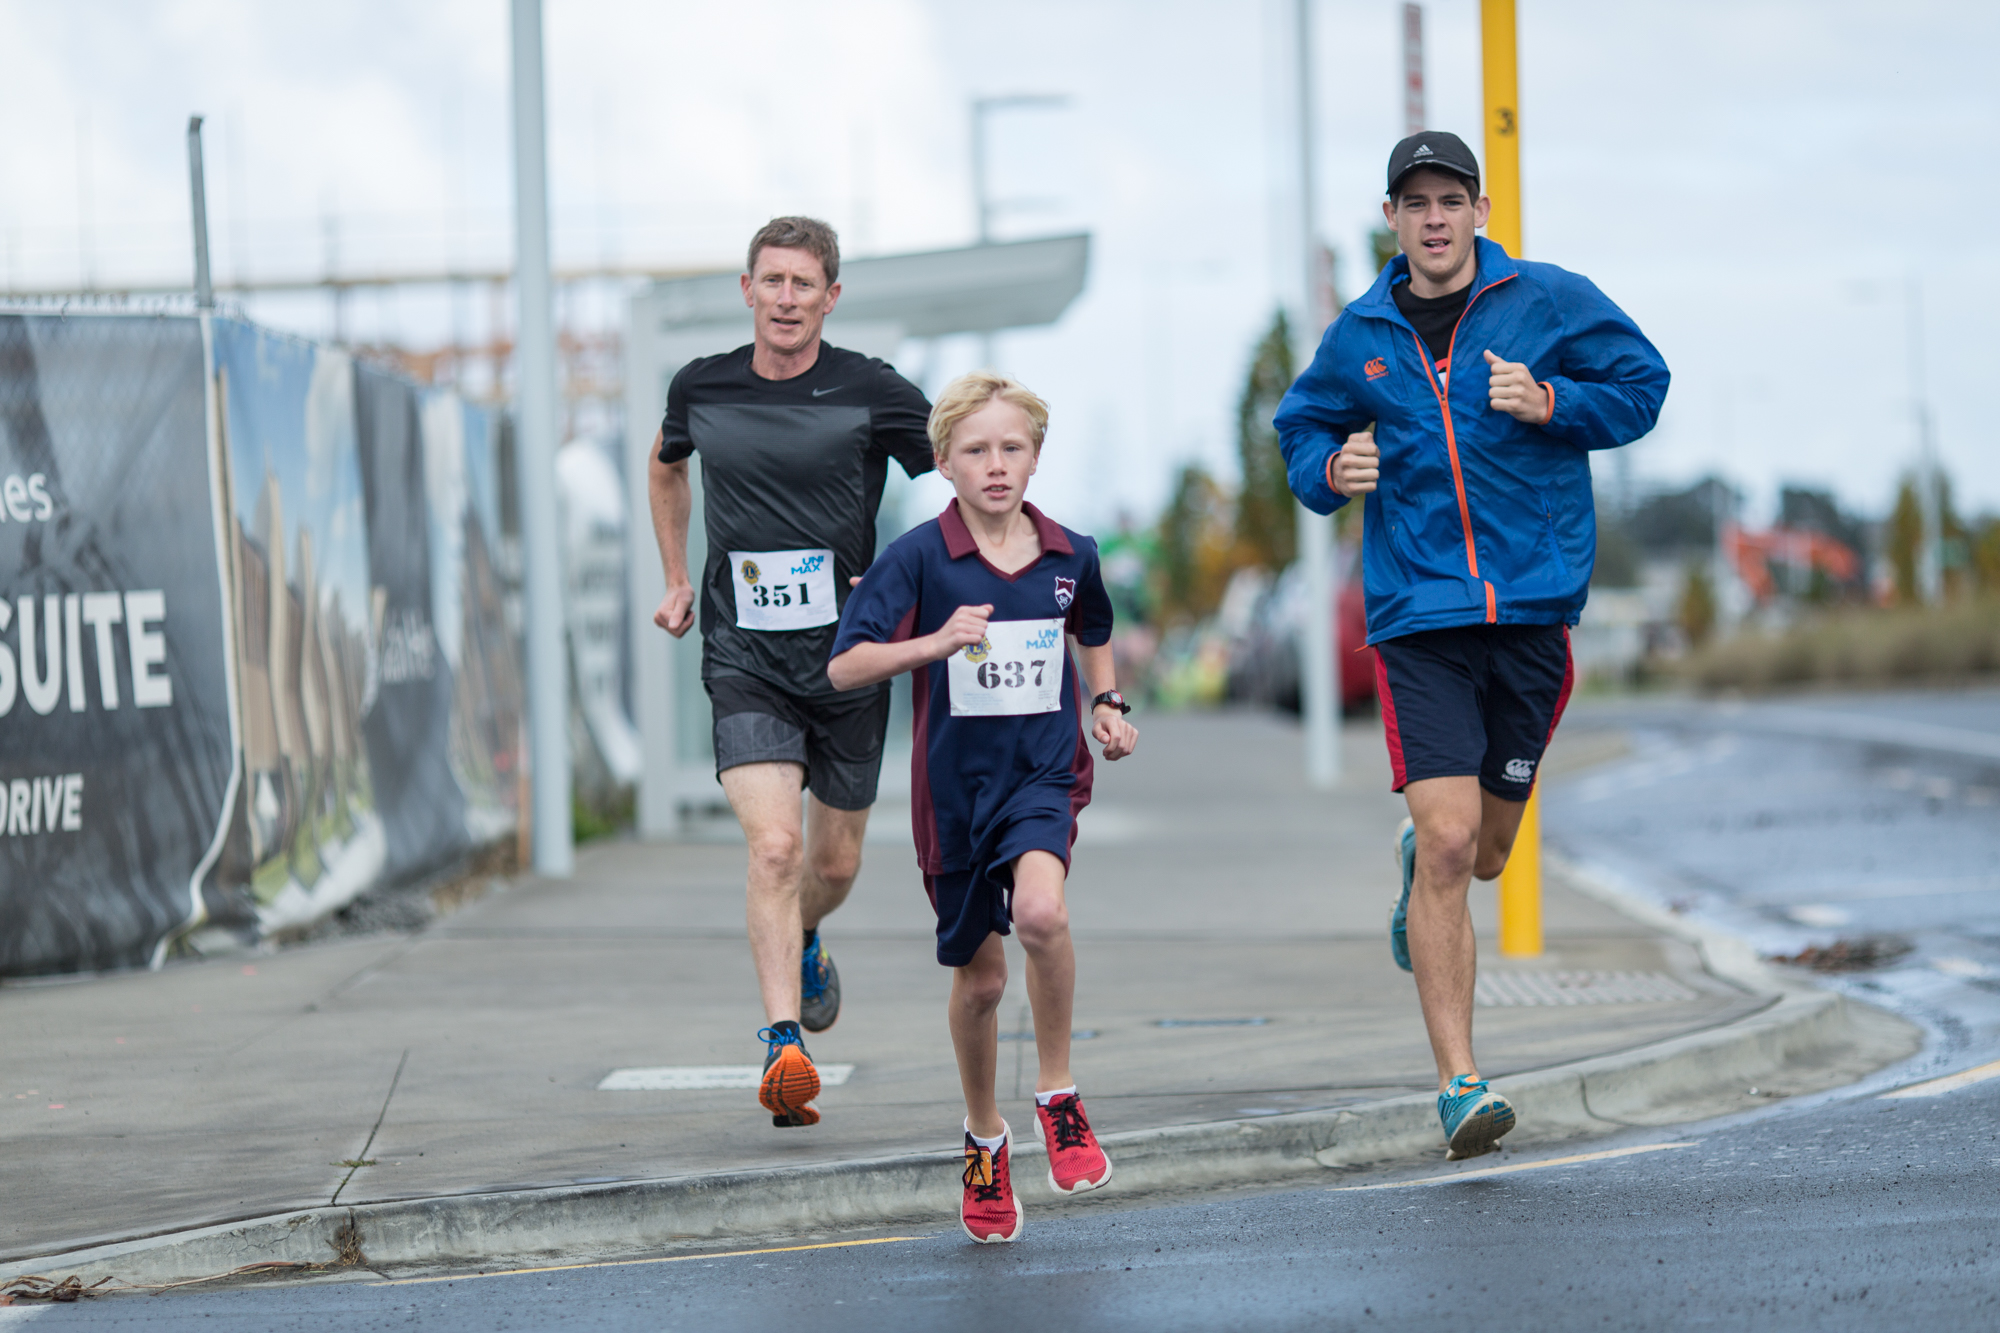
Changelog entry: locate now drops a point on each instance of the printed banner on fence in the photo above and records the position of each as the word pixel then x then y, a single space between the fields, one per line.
pixel 254 660
pixel 304 835
pixel 481 652
pixel 116 749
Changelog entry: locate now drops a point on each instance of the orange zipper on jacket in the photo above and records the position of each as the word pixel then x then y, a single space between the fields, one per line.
pixel 1451 440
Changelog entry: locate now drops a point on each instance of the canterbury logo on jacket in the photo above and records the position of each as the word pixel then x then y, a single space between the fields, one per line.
pixel 1477 518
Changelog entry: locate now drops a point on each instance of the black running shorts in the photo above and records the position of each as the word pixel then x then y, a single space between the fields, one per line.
pixel 836 738
pixel 1472 700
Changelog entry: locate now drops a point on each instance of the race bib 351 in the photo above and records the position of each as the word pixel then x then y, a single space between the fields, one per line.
pixel 1017 668
pixel 778 590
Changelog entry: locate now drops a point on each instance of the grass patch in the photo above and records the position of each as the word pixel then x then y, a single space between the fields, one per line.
pixel 1857 647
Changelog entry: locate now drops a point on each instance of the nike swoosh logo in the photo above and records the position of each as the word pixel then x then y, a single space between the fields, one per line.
pixel 835 389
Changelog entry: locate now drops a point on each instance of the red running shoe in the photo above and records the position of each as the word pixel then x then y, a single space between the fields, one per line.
pixel 989 1212
pixel 1076 1162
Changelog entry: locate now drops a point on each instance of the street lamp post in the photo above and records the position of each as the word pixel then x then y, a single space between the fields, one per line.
pixel 1318 698
pixel 1930 542
pixel 535 368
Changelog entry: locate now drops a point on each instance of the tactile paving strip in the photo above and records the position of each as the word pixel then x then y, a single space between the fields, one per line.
pixel 1496 989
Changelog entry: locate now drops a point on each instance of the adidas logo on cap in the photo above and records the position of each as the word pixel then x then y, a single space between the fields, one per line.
pixel 1423 150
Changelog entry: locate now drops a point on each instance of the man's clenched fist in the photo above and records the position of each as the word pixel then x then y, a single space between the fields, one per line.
pixel 1358 465
pixel 676 612
pixel 1513 390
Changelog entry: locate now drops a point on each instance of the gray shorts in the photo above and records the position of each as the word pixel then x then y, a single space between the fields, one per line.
pixel 837 738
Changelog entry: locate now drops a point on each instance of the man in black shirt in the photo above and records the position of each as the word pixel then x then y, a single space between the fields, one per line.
pixel 795 438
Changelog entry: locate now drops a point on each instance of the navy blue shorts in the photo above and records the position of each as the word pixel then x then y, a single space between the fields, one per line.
pixel 1472 700
pixel 972 904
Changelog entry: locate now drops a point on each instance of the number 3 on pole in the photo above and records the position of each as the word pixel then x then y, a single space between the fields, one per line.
pixel 1503 123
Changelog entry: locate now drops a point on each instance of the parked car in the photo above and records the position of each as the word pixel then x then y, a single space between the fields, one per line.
pixel 1264 662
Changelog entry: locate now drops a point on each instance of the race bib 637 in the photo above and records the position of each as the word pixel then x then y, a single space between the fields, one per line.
pixel 1016 668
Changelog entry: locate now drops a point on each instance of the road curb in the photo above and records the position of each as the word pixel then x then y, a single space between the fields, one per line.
pixel 1596 1095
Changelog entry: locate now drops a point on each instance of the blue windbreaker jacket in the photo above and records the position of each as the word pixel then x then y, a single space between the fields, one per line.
pixel 1478 518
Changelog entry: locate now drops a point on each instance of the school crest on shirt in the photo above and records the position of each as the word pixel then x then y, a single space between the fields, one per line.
pixel 1065 592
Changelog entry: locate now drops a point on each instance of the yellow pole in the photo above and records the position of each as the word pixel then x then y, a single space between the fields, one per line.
pixel 1521 887
pixel 1521 881
pixel 1503 123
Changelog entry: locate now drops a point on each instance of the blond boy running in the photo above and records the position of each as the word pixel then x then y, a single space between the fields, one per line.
pixel 981 604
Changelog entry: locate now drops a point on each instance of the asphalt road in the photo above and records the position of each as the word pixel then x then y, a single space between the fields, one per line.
pixel 1809 823
pixel 1862 1213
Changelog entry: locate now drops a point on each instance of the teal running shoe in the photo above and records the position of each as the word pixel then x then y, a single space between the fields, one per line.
pixel 819 987
pixel 1399 916
pixel 1474 1118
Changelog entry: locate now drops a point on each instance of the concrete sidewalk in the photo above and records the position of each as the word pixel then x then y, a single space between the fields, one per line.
pixel 1208 891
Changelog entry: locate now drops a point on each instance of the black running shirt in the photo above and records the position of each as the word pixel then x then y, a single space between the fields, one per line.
pixel 789 465
pixel 1435 318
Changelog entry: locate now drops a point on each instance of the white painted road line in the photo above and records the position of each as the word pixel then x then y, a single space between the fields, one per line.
pixel 1604 1156
pixel 1937 1087
pixel 704 1078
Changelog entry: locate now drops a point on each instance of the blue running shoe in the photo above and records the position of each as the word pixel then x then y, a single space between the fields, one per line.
pixel 819 987
pixel 1399 922
pixel 1474 1118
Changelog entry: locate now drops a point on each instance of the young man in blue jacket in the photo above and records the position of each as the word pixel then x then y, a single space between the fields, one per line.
pixel 1462 395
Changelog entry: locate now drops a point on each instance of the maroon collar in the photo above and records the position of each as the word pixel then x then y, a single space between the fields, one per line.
pixel 958 540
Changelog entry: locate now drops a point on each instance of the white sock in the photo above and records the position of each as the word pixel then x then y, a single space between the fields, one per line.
pixel 1044 1098
pixel 992 1144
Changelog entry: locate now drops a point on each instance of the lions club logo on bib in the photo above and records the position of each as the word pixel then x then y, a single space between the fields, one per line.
pixel 1065 592
pixel 978 652
pixel 751 573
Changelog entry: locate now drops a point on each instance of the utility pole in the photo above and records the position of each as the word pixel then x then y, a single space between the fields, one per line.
pixel 1521 881
pixel 1414 111
pixel 535 389
pixel 1318 696
pixel 204 286
pixel 1930 502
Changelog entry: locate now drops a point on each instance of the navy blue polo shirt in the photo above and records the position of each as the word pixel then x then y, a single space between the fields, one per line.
pixel 978 782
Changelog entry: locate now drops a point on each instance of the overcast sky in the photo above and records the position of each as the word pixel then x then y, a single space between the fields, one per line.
pixel 1759 184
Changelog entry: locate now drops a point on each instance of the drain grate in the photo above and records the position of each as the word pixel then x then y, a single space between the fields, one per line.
pixel 1501 989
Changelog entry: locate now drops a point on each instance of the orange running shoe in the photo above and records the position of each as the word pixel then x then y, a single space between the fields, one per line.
pixel 989 1212
pixel 1076 1162
pixel 790 1081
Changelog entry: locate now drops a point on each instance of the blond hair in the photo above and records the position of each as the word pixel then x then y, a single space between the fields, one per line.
pixel 968 393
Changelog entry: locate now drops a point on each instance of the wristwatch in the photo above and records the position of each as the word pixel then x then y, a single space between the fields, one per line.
pixel 1114 698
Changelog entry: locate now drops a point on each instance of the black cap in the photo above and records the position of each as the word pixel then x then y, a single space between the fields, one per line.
pixel 1439 149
